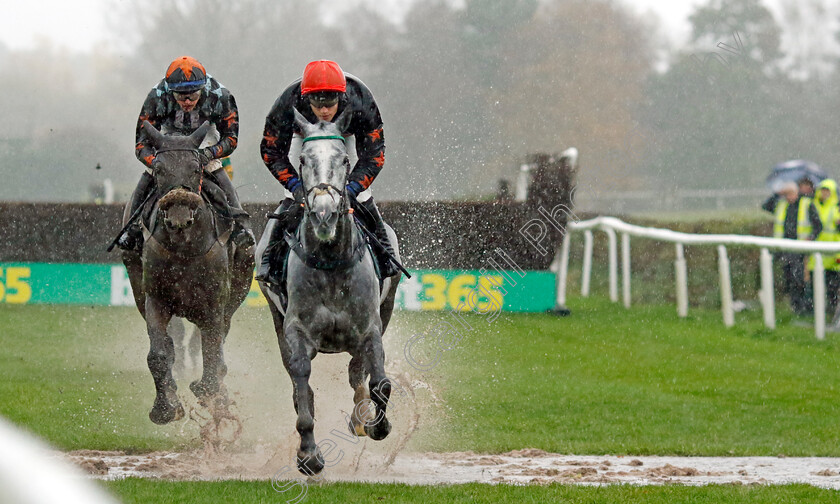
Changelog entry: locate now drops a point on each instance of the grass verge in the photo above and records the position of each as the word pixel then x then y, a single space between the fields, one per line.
pixel 639 381
pixel 144 491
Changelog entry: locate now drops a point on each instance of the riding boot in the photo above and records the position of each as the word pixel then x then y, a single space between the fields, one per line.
pixel 373 221
pixel 132 238
pixel 242 235
pixel 270 269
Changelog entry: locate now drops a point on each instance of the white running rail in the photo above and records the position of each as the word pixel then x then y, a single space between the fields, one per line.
pixel 611 226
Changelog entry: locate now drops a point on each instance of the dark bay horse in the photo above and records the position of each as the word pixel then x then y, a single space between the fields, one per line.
pixel 334 298
pixel 187 269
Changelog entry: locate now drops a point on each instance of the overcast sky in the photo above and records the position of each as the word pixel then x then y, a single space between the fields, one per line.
pixel 81 25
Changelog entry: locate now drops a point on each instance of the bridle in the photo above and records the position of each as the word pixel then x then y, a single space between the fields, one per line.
pixel 295 245
pixel 201 175
pixel 181 186
pixel 323 186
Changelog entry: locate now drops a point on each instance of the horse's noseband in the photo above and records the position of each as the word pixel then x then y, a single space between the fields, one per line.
pixel 324 188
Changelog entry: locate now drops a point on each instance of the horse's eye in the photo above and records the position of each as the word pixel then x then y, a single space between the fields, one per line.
pixel 302 159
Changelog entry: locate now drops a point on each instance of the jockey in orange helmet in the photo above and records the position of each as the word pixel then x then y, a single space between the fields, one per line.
pixel 324 92
pixel 180 103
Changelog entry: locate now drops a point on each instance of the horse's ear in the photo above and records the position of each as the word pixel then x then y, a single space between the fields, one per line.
pixel 157 136
pixel 343 120
pixel 302 122
pixel 198 135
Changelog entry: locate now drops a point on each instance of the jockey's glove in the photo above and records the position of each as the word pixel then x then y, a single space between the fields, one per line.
pixel 298 193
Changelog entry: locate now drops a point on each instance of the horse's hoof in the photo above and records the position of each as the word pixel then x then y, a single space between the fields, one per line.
pixel 379 431
pixel 357 429
pixel 162 412
pixel 202 390
pixel 310 465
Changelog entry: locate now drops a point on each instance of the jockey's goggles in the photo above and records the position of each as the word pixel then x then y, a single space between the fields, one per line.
pixel 192 96
pixel 321 99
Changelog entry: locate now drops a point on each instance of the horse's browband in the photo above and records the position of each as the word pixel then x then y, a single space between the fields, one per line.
pixel 325 137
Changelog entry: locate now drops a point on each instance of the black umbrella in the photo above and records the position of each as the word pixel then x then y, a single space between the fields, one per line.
pixel 793 171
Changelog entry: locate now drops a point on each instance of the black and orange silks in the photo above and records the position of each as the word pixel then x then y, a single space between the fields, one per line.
pixel 365 126
pixel 216 105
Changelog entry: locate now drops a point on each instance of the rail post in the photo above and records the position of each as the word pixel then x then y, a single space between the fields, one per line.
pixel 586 274
pixel 682 282
pixel 819 296
pixel 562 278
pixel 768 298
pixel 625 268
pixel 725 287
pixel 613 258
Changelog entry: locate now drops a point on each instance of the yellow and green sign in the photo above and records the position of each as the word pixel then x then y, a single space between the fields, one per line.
pixel 458 290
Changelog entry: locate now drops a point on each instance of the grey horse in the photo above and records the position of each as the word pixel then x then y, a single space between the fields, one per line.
pixel 187 269
pixel 334 299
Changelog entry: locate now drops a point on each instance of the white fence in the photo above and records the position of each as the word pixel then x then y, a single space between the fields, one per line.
pixel 611 226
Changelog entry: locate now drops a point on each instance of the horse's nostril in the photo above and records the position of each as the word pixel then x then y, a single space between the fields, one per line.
pixel 189 222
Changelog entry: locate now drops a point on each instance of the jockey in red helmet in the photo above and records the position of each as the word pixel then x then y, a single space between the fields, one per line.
pixel 180 103
pixel 323 92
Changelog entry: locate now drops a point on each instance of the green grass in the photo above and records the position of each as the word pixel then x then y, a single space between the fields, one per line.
pixel 605 380
pixel 144 491
pixel 640 381
pixel 77 376
pixel 60 382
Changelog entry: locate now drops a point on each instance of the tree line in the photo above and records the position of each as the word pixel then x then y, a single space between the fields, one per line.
pixel 466 92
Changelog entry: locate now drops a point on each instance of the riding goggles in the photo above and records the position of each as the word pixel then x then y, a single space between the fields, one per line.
pixel 192 96
pixel 321 99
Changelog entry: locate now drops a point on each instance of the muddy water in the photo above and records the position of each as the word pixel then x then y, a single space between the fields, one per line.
pixel 519 467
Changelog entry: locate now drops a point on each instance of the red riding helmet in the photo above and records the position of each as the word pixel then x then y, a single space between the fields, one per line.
pixel 323 75
pixel 185 75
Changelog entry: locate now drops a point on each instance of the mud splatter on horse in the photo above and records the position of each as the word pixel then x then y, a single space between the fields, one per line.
pixel 334 299
pixel 187 269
